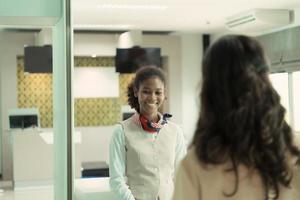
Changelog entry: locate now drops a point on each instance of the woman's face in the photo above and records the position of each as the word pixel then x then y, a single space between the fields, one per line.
pixel 151 95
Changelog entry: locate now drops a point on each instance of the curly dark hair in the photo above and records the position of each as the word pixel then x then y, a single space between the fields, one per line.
pixel 144 73
pixel 241 118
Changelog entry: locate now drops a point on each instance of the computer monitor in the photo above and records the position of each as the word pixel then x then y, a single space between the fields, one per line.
pixel 38 59
pixel 23 118
pixel 23 121
pixel 130 59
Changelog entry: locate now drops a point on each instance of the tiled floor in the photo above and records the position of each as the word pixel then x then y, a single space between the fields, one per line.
pixel 88 188
pixel 37 193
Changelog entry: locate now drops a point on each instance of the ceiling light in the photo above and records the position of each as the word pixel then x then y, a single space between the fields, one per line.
pixel 102 26
pixel 132 6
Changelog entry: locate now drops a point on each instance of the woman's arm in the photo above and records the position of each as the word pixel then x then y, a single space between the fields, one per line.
pixel 117 165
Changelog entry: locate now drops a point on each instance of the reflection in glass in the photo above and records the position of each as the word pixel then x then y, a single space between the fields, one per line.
pixel 27 132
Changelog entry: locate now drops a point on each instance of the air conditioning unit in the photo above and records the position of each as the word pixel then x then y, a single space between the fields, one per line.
pixel 259 20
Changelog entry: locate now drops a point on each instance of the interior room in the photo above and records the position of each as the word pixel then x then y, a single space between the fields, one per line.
pixel 76 97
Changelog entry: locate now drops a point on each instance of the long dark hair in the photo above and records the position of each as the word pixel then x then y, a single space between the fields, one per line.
pixel 141 75
pixel 241 118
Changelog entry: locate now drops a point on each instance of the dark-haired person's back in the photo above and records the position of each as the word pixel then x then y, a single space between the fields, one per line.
pixel 199 181
pixel 243 149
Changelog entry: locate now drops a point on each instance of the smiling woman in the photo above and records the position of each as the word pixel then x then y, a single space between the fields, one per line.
pixel 145 148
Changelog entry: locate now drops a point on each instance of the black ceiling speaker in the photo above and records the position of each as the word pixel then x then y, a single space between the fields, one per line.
pixel 38 59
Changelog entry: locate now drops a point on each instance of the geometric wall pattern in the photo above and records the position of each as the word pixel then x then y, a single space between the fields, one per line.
pixel 86 61
pixel 35 90
pixel 124 80
pixel 97 111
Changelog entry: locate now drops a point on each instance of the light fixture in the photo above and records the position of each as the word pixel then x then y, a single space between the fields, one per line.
pixel 132 6
pixel 103 26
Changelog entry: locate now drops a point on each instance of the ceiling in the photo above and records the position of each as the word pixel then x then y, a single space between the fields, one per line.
pixel 205 16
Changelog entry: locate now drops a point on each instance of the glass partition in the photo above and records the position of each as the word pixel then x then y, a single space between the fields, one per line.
pixel 35 162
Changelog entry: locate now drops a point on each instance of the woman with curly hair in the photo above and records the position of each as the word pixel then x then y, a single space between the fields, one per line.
pixel 145 148
pixel 243 149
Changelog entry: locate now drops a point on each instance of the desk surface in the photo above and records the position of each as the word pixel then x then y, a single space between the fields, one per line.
pixel 93 184
pixel 48 137
pixel 45 134
pixel 93 189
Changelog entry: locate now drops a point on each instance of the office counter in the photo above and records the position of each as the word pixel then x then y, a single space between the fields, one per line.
pixel 33 157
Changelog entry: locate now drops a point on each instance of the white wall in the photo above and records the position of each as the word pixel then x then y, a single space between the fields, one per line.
pixel 95 44
pixel 192 51
pixel 12 45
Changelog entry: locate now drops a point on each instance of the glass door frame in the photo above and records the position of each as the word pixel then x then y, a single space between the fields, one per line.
pixel 57 15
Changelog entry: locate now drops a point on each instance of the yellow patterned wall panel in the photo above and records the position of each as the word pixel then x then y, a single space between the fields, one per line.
pixel 97 111
pixel 124 80
pixel 35 90
pixel 103 61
